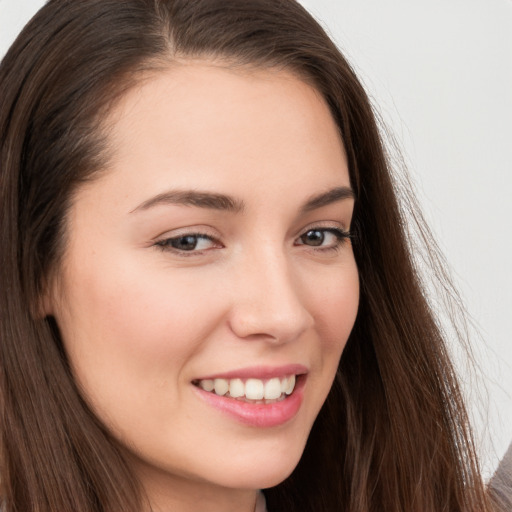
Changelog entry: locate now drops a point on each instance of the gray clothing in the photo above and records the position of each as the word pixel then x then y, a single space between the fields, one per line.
pixel 500 485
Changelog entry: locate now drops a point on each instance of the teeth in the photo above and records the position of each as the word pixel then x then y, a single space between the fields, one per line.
pixel 272 389
pixel 207 385
pixel 252 389
pixel 221 386
pixel 291 385
pixel 236 388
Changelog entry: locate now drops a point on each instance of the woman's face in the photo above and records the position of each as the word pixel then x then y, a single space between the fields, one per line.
pixel 212 251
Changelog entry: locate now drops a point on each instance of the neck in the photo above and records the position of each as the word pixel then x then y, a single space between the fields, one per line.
pixel 166 493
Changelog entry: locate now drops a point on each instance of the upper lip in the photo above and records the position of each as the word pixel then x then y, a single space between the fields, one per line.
pixel 259 372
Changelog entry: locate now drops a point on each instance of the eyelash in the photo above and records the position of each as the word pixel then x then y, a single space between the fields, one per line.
pixel 341 237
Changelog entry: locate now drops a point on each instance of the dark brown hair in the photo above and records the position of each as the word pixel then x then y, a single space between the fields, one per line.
pixel 393 433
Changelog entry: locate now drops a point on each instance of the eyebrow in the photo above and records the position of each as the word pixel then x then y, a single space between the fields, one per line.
pixel 222 202
pixel 326 198
pixel 207 200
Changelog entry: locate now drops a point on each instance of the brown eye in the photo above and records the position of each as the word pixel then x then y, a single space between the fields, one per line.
pixel 324 238
pixel 192 242
pixel 184 243
pixel 313 237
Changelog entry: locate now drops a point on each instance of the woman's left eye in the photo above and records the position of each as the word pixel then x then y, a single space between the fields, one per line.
pixel 323 238
pixel 191 242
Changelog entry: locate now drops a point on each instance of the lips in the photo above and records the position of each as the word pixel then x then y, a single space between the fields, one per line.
pixel 262 397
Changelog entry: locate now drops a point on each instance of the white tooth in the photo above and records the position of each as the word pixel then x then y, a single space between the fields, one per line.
pixel 284 384
pixel 291 385
pixel 207 384
pixel 221 386
pixel 254 389
pixel 272 389
pixel 236 388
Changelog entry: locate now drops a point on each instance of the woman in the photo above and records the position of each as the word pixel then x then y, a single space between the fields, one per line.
pixel 177 333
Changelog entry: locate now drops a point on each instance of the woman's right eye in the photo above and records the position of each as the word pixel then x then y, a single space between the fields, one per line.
pixel 188 243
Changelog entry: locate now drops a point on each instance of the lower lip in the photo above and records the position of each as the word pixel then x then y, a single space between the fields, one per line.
pixel 258 415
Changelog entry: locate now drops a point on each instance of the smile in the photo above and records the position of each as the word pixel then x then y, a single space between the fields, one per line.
pixel 251 390
pixel 258 396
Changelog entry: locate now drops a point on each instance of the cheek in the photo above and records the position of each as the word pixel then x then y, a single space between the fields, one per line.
pixel 333 300
pixel 336 305
pixel 127 326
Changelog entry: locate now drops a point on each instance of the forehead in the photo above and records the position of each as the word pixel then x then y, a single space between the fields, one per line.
pixel 199 121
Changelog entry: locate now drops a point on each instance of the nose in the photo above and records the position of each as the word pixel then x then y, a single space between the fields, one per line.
pixel 267 300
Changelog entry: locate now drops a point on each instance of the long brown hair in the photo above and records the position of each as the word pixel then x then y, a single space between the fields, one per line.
pixel 393 433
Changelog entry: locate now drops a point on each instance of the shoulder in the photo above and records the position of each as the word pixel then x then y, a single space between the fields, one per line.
pixel 500 485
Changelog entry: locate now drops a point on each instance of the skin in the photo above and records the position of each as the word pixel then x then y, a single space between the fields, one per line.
pixel 141 321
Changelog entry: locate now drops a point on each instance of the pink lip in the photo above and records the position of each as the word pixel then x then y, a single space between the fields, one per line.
pixel 258 415
pixel 260 372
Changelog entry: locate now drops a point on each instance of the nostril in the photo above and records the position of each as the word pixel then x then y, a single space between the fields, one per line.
pixel 269 326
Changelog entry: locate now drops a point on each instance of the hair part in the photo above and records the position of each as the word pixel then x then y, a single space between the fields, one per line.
pixel 393 433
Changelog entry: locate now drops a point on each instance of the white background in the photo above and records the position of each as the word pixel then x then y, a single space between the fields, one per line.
pixel 440 73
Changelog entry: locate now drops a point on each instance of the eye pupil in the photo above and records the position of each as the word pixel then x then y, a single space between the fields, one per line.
pixel 185 243
pixel 313 237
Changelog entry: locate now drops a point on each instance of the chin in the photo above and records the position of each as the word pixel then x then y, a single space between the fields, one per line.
pixel 261 472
